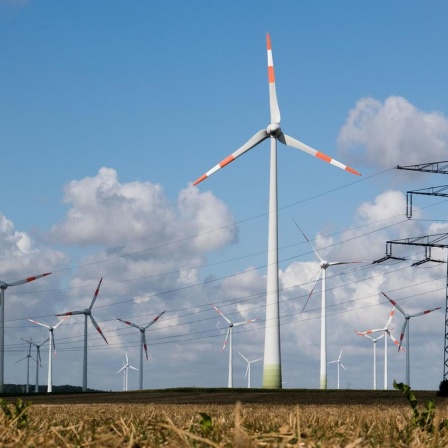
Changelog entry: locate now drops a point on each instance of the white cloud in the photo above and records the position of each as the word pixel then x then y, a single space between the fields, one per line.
pixel 392 133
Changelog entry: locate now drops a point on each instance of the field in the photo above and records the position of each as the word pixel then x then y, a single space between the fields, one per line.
pixel 225 418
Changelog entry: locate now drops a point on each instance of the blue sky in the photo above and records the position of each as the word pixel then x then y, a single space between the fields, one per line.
pixel 110 110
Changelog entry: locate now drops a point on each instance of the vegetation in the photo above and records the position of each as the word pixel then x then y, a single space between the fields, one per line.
pixel 149 424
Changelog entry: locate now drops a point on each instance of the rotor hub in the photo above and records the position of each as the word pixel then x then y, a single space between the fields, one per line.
pixel 273 129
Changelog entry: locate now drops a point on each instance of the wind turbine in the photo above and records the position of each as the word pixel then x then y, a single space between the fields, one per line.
pixel 386 332
pixel 338 361
pixel 272 375
pixel 126 367
pixel 3 286
pixel 50 345
pixel 324 265
pixel 229 337
pixel 38 361
pixel 87 312
pixel 374 354
pixel 407 318
pixel 248 368
pixel 27 357
pixel 142 342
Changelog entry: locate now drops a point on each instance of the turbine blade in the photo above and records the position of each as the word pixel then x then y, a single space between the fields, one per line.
pixel 254 141
pixel 245 322
pixel 394 340
pixel 243 357
pixel 403 330
pixel 365 333
pixel 425 312
pixel 70 313
pixel 255 360
pixel 26 280
pixel 96 293
pixel 225 340
pixel 340 354
pixel 314 250
pixel 220 312
pixel 128 323
pixel 399 308
pixel 342 365
pixel 289 141
pixel 21 359
pixel 133 368
pixel 391 315
pixel 121 369
pixel 273 104
pixel 38 323
pixel 311 292
pixel 247 371
pixel 145 347
pixel 155 320
pixel 98 328
pixel 60 322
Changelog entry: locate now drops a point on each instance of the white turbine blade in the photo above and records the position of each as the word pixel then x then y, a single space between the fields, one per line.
pixel 128 323
pixel 98 328
pixel 255 360
pixel 289 141
pixel 26 280
pixel 337 263
pixel 425 312
pixel 38 323
pixel 342 365
pixel 96 293
pixel 395 304
pixel 365 333
pixel 60 322
pixel 220 312
pixel 273 103
pixel 121 369
pixel 243 357
pixel 21 359
pixel 247 371
pixel 254 141
pixel 403 330
pixel 133 368
pixel 154 320
pixel 311 292
pixel 340 354
pixel 331 362
pixel 391 315
pixel 70 313
pixel 245 322
pixel 308 241
pixel 225 340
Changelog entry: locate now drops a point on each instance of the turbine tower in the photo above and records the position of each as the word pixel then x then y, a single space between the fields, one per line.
pixel 387 333
pixel 229 337
pixel 338 361
pixel 87 312
pixel 374 340
pixel 407 318
pixel 324 265
pixel 248 368
pixel 50 344
pixel 27 357
pixel 38 360
pixel 125 368
pixel 272 375
pixel 143 345
pixel 3 286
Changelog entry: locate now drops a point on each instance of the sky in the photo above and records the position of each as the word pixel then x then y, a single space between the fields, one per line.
pixel 110 111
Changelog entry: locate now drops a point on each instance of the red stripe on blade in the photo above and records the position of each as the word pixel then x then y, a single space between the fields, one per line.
pixel 226 161
pixel 204 176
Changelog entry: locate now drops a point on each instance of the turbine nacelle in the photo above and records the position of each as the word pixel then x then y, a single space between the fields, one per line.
pixel 274 130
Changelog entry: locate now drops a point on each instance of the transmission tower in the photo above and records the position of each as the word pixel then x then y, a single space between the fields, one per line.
pixel 427 241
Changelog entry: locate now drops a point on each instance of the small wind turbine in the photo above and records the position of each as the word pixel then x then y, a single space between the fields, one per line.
pixel 87 312
pixel 386 332
pixel 324 265
pixel 38 360
pixel 125 368
pixel 50 345
pixel 407 318
pixel 229 336
pixel 27 357
pixel 142 342
pixel 338 361
pixel 374 354
pixel 3 286
pixel 248 368
pixel 272 374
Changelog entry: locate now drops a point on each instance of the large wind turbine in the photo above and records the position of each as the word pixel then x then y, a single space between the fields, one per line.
pixel 38 360
pixel 339 362
pixel 87 312
pixel 27 357
pixel 248 368
pixel 142 342
pixel 51 345
pixel 407 318
pixel 324 265
pixel 229 337
pixel 272 375
pixel 3 286
pixel 126 367
pixel 386 331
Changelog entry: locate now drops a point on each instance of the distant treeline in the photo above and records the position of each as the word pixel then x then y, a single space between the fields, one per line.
pixel 66 389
